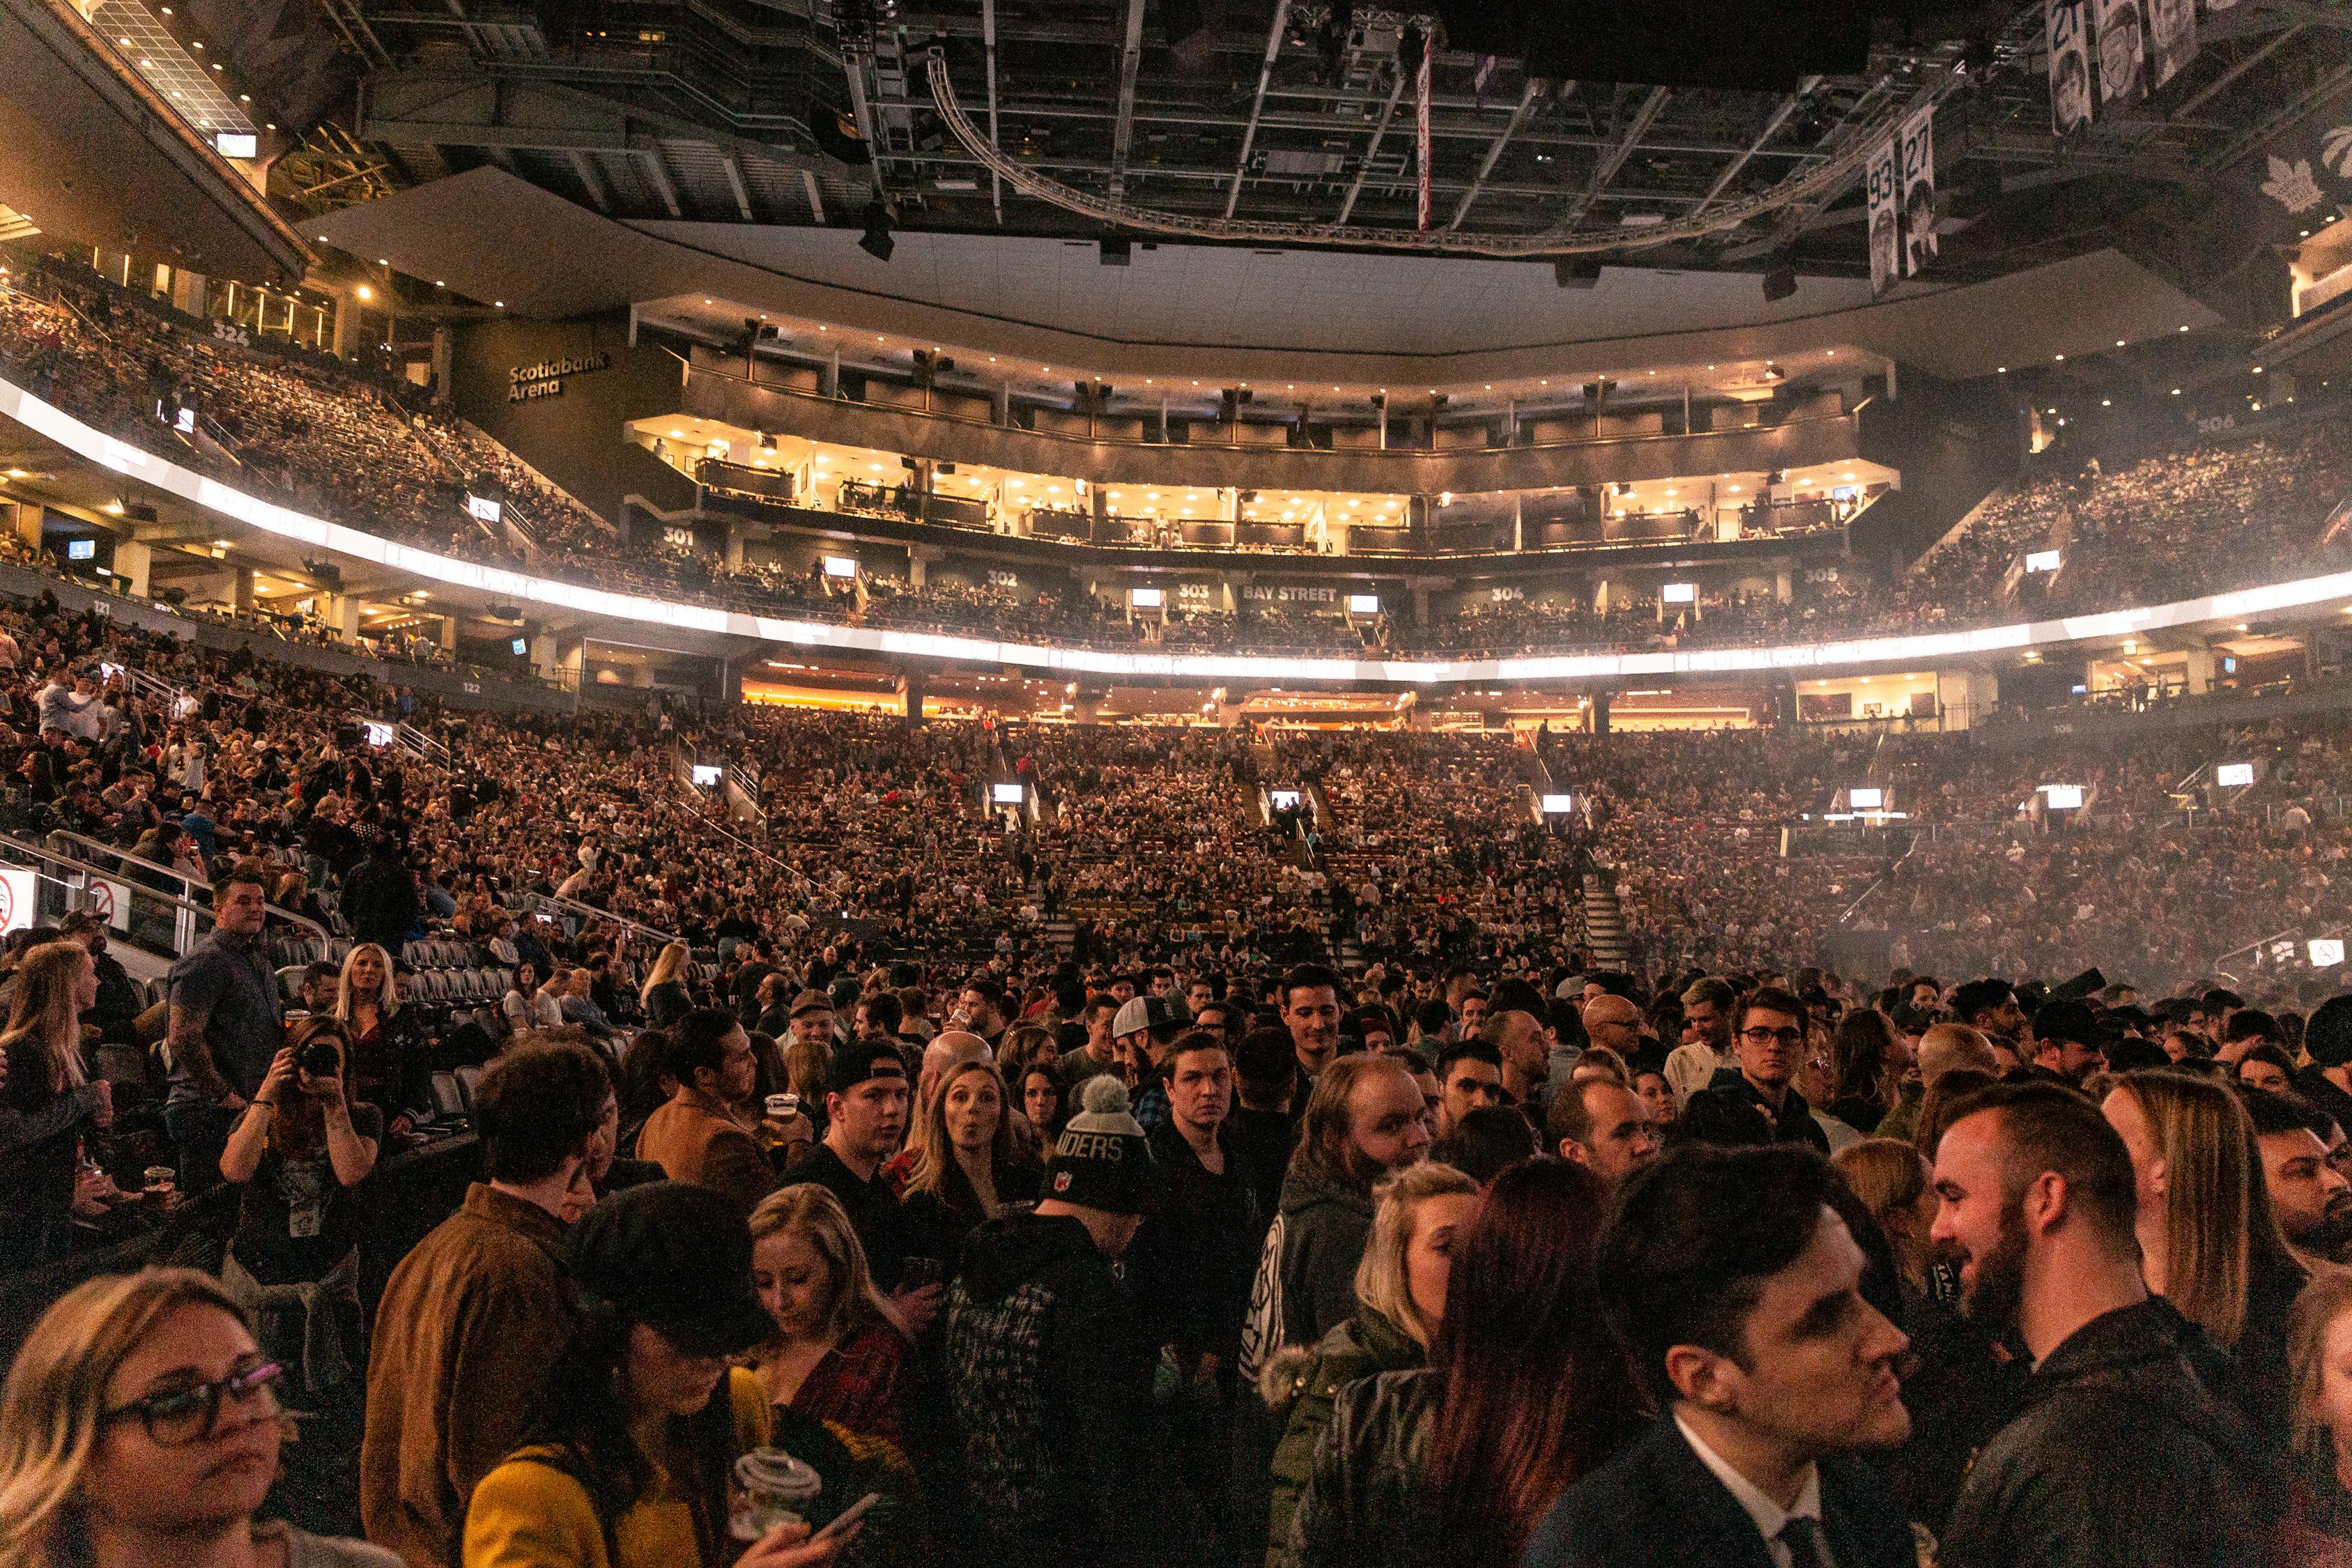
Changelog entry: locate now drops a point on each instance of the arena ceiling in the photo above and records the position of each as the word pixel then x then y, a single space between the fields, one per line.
pixel 799 113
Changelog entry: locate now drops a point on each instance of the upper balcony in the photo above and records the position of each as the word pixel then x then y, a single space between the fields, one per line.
pixel 1396 449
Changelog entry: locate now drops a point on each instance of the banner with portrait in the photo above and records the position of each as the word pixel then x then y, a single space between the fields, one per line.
pixel 1914 147
pixel 2070 69
pixel 1885 188
pixel 2172 35
pixel 2123 51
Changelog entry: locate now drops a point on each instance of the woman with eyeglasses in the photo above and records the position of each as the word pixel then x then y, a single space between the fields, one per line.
pixel 140 1425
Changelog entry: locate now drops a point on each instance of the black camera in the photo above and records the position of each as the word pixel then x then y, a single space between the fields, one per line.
pixel 319 1058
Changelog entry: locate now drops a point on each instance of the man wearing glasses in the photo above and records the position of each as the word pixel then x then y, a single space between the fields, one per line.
pixel 1768 1044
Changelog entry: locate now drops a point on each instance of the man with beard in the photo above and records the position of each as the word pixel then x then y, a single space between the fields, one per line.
pixel 2310 1197
pixel 2121 1453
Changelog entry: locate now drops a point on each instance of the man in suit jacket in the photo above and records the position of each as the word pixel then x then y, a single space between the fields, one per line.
pixel 1748 1325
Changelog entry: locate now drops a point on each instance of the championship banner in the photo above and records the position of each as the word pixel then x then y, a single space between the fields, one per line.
pixel 2123 49
pixel 1885 222
pixel 1420 128
pixel 1916 159
pixel 2172 32
pixel 2070 69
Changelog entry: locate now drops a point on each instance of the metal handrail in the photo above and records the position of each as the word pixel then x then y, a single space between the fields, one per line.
pixel 589 912
pixel 19 847
pixel 186 880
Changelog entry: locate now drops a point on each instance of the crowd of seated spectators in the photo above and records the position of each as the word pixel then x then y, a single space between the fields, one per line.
pixel 2135 527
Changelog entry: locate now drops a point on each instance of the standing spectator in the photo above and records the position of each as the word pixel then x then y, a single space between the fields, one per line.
pixel 1050 1373
pixel 663 998
pixel 1599 1122
pixel 48 1102
pixel 1469 1078
pixel 1363 1120
pixel 2309 1195
pixel 1525 1391
pixel 224 1025
pixel 1192 1263
pixel 1401 1291
pixel 2320 1529
pixel 1263 1127
pixel 1747 1322
pixel 387 1040
pixel 866 1120
pixel 970 1169
pixel 629 1454
pixel 2122 1453
pixel 694 1137
pixel 140 1423
pixel 115 1015
pixel 835 1354
pixel 1310 1010
pixel 2327 1041
pixel 2208 1241
pixel 380 899
pixel 1707 1004
pixel 472 1319
pixel 1768 1044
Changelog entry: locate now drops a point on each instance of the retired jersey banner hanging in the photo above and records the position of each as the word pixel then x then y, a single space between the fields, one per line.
pixel 2172 33
pixel 2123 46
pixel 1916 158
pixel 2070 69
pixel 1885 216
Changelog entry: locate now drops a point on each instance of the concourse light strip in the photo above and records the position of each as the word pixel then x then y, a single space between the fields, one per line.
pixel 48 420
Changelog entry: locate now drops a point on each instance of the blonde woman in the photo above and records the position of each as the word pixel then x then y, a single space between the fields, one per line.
pixel 48 1102
pixel 837 1355
pixel 2319 1358
pixel 1895 1184
pixel 664 997
pixel 140 1425
pixel 387 1043
pixel 970 1166
pixel 1400 1294
pixel 2208 1243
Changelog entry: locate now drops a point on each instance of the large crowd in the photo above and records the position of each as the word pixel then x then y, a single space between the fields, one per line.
pixel 2133 526
pixel 1159 1174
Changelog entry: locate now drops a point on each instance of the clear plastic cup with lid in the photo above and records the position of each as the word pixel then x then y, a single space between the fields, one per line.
pixel 772 1488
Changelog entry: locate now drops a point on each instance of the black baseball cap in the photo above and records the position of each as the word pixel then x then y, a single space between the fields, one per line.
pixel 862 1060
pixel 677 1258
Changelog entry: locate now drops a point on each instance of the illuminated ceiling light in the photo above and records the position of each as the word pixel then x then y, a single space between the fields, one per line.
pixel 114 508
pixel 365 293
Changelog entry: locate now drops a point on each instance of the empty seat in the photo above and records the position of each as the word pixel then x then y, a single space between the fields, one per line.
pixel 470 1079
pixel 448 1100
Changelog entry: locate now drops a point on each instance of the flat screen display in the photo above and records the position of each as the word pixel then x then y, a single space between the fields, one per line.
pixel 2062 798
pixel 1678 593
pixel 1559 804
pixel 1865 799
pixel 2234 775
pixel 1007 794
pixel 1145 598
pixel 705 775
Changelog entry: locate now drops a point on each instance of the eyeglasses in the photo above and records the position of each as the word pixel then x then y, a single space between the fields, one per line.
pixel 181 1416
pixel 1789 1037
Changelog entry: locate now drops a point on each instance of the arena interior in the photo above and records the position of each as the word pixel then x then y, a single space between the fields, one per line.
pixel 1488 784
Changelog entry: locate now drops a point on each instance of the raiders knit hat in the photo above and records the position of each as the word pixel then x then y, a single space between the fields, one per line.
pixel 1103 1161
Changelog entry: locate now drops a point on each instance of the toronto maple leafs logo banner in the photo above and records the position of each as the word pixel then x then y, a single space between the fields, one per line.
pixel 2070 69
pixel 2300 180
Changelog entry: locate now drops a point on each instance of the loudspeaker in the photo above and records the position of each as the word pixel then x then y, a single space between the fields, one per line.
pixel 1779 283
pixel 1115 252
pixel 1576 272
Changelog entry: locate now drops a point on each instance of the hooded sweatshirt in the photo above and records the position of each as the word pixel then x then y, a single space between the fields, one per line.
pixel 1050 1378
pixel 2122 1457
pixel 1306 1283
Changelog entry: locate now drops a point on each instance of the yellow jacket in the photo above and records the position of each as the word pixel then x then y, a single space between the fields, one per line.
pixel 529 1514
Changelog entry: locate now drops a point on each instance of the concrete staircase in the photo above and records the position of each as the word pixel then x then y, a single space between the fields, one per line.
pixel 1604 922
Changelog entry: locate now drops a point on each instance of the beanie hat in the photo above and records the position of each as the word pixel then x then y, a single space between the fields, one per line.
pixel 1103 1161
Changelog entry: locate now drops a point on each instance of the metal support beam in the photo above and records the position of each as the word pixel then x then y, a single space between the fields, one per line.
pixel 659 172
pixel 593 177
pixel 1379 130
pixel 735 184
pixel 816 196
pixel 2213 89
pixel 1494 152
pixel 1615 158
pixel 1780 116
pixel 1122 129
pixel 988 39
pixel 1257 105
pixel 869 129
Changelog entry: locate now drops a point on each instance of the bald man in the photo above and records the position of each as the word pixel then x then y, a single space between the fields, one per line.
pixel 1613 1021
pixel 949 1049
pixel 1526 1060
